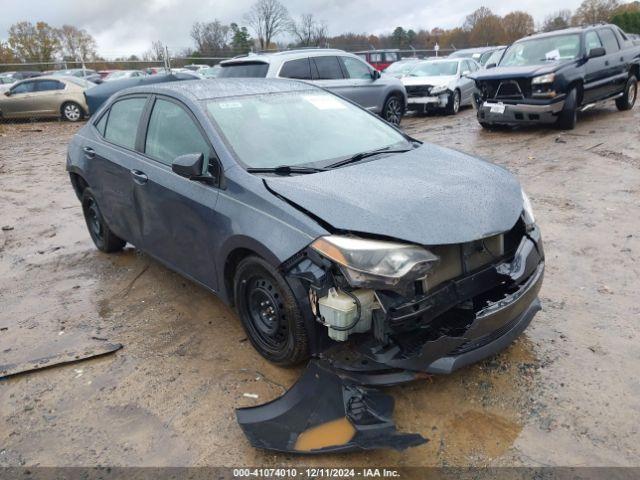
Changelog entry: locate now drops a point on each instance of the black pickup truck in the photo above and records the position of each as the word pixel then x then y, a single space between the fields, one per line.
pixel 549 77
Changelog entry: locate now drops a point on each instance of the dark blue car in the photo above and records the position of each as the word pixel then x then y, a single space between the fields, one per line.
pixel 327 228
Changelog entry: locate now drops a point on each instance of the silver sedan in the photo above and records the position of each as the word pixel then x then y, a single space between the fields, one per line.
pixel 440 84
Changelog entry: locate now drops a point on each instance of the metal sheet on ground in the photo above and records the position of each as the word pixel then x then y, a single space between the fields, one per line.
pixel 22 353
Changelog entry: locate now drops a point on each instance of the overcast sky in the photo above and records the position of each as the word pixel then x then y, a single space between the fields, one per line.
pixel 124 27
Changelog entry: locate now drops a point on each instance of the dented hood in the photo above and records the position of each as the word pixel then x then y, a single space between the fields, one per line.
pixel 429 196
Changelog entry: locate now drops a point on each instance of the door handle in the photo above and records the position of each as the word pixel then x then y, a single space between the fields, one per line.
pixel 606 63
pixel 139 177
pixel 89 152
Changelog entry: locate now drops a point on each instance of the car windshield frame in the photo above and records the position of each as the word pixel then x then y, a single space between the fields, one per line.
pixel 404 141
pixel 425 63
pixel 505 60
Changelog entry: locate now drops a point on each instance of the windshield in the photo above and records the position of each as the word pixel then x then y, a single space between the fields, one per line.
pixel 434 69
pixel 303 128
pixel 494 57
pixel 540 50
pixel 81 82
pixel 114 75
pixel 238 70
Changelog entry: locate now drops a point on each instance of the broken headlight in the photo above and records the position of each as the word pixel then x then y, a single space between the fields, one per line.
pixel 374 263
pixel 527 211
pixel 438 89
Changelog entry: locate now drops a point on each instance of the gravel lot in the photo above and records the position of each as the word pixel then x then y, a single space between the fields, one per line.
pixel 566 393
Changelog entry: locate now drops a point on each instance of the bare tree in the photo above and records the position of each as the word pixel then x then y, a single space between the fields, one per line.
pixel 267 18
pixel 76 43
pixel 594 11
pixel 210 37
pixel 517 25
pixel 155 53
pixel 308 31
pixel 557 21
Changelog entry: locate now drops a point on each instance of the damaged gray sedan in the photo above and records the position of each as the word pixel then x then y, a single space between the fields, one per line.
pixel 336 237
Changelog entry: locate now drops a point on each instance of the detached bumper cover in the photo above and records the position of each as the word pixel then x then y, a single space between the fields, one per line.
pixel 495 112
pixel 324 413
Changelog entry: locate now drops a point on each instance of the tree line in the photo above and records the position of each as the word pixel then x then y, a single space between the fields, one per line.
pixel 268 25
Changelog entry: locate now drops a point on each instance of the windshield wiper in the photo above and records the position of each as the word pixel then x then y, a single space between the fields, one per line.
pixel 285 170
pixel 362 155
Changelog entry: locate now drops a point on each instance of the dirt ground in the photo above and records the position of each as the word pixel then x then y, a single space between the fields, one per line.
pixel 566 393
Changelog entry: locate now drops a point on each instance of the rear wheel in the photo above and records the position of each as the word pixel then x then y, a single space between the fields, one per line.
pixel 569 115
pixel 72 112
pixel 104 239
pixel 628 99
pixel 453 106
pixel 393 109
pixel 269 312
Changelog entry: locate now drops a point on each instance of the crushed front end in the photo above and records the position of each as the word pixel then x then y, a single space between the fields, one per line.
pixel 511 101
pixel 390 313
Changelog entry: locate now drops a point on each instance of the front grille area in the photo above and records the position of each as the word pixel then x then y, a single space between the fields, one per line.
pixel 512 89
pixel 418 90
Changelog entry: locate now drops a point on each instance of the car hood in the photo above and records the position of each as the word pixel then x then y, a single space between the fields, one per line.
pixel 437 80
pixel 429 196
pixel 499 73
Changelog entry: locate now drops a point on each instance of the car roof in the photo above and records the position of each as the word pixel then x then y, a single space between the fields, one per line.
pixel 217 88
pixel 285 54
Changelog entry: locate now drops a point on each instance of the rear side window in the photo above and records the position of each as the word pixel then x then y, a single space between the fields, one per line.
pixel 327 68
pixel 102 123
pixel 48 85
pixel 356 68
pixel 391 57
pixel 300 69
pixel 609 40
pixel 244 70
pixel 172 132
pixel 122 125
pixel 375 58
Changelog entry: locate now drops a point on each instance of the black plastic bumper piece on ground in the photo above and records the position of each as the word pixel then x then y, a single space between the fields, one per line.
pixel 325 413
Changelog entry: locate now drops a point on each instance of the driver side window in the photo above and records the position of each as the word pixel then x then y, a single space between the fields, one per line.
pixel 172 132
pixel 592 40
pixel 355 68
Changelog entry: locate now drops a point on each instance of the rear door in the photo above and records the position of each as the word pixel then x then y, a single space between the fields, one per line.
pixel 179 221
pixel 110 160
pixel 362 88
pixel 48 96
pixel 614 63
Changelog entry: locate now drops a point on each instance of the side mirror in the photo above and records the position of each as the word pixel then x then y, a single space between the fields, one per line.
pixel 7 93
pixel 189 165
pixel 375 74
pixel 466 72
pixel 491 65
pixel 596 52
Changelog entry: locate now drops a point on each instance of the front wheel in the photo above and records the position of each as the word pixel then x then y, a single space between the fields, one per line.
pixel 569 115
pixel 72 112
pixel 453 106
pixel 628 99
pixel 269 313
pixel 393 109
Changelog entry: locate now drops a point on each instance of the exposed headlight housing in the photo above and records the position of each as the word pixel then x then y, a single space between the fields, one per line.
pixel 527 211
pixel 374 263
pixel 548 78
pixel 438 89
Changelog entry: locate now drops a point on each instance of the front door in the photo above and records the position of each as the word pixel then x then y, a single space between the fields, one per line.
pixel 595 84
pixel 178 216
pixel 327 73
pixel 20 102
pixel 362 87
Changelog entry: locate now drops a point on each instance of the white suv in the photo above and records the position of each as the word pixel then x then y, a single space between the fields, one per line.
pixel 336 70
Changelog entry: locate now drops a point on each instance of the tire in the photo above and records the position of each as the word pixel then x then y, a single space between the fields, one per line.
pixel 103 238
pixel 269 313
pixel 393 109
pixel 72 112
pixel 453 106
pixel 626 101
pixel 569 115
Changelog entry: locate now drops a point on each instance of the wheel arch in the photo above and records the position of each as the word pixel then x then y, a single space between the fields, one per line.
pixel 78 183
pixel 578 85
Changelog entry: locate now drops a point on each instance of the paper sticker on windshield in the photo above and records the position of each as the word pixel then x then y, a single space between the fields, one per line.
pixel 230 105
pixel 324 102
pixel 552 55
